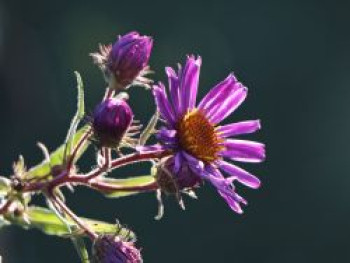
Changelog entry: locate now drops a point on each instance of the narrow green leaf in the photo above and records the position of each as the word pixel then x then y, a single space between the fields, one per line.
pixel 47 221
pixel 81 104
pixel 77 117
pixel 78 242
pixel 149 130
pixel 80 246
pixel 138 181
pixel 57 157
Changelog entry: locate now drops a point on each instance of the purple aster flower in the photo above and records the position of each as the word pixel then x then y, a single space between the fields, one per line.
pixel 111 249
pixel 193 133
pixel 126 62
pixel 111 120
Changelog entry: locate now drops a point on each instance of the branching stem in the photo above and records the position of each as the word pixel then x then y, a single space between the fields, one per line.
pixel 91 179
pixel 73 216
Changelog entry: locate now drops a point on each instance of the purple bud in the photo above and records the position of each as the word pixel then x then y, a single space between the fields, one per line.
pixel 111 120
pixel 128 58
pixel 172 182
pixel 111 249
pixel 126 61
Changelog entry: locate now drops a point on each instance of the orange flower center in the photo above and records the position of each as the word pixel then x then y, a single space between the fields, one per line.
pixel 198 136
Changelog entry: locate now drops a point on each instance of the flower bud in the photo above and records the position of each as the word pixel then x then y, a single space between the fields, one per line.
pixel 126 61
pixel 111 120
pixel 111 249
pixel 172 182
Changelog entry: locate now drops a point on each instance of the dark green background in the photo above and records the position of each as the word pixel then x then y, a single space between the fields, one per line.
pixel 293 55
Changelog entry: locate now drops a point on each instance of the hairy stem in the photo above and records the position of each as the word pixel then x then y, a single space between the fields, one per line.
pixel 106 187
pixel 73 216
pixel 65 177
pixel 77 148
pixel 127 160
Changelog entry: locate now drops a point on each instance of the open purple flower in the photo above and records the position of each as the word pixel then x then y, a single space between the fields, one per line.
pixel 192 132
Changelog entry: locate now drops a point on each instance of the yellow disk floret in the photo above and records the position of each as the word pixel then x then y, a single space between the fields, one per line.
pixel 198 136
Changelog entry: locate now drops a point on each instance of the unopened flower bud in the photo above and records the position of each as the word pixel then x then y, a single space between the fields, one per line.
pixel 111 249
pixel 126 61
pixel 172 182
pixel 111 120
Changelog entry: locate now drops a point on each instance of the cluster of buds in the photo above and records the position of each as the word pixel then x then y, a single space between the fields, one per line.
pixel 123 64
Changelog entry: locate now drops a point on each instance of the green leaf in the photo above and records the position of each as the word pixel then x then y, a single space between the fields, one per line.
pixel 77 117
pixel 149 130
pixel 138 181
pixel 57 157
pixel 78 242
pixel 47 221
pixel 5 186
pixel 80 246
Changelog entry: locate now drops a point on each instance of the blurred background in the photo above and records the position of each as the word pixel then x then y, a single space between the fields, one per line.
pixel 293 55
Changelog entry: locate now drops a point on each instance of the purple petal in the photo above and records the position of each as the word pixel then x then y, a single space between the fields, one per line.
pixel 166 133
pixel 178 160
pixel 196 165
pixel 150 148
pixel 225 189
pixel 231 103
pixel 231 200
pixel 241 175
pixel 173 82
pixel 244 151
pixel 239 128
pixel 167 137
pixel 125 39
pixel 217 94
pixel 163 103
pixel 189 83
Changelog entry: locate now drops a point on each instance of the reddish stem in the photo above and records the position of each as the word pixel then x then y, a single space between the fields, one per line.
pixel 78 148
pixel 5 207
pixel 73 216
pixel 126 160
pixel 109 93
pixel 65 177
pixel 106 187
